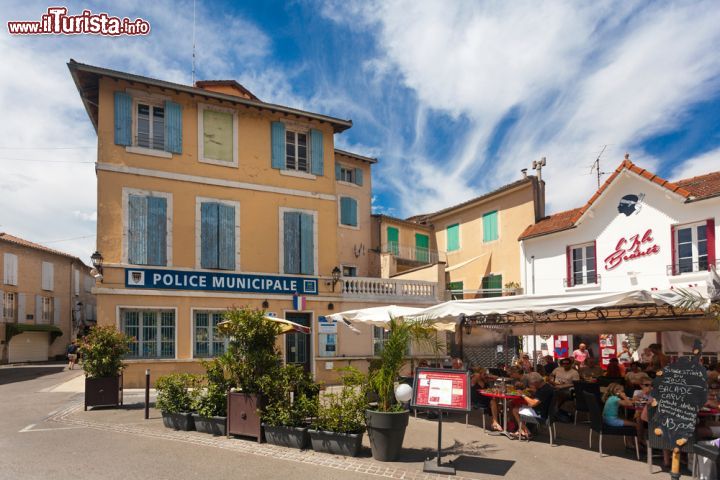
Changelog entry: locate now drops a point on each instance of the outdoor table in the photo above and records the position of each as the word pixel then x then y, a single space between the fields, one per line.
pixel 504 397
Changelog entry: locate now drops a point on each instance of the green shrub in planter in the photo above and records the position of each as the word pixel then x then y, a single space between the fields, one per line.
pixel 344 412
pixel 176 398
pixel 291 397
pixel 102 351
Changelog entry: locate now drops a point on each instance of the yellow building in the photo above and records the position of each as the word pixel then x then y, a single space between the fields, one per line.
pixel 46 300
pixel 209 198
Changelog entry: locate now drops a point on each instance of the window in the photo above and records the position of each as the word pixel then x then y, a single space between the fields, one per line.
pixel 492 286
pixel 48 314
pixel 490 226
pixel 346 174
pixel 298 242
pixel 48 276
pixel 9 309
pixel 393 236
pixel 349 271
pixel 218 235
pixel 582 265
pixel 76 282
pixel 217 135
pixel 453 237
pixel 296 151
pixel 150 126
pixel 691 248
pixel 348 212
pixel 456 290
pixel 422 252
pixel 10 267
pixel 153 333
pixel 208 342
pixel 147 229
pixel 380 336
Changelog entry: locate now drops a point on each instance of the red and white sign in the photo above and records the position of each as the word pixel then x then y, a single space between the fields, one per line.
pixel 608 348
pixel 442 389
pixel 631 249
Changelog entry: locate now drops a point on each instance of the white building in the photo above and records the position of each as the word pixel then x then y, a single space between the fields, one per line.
pixel 638 231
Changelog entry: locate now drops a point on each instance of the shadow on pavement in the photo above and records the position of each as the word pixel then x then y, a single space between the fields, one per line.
pixel 483 465
pixel 29 372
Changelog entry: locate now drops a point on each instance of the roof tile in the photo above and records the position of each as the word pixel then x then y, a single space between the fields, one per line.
pixel 26 243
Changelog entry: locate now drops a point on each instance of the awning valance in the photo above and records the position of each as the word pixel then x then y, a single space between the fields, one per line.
pixel 12 329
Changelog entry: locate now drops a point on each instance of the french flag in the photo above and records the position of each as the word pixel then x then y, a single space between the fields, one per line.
pixel 299 302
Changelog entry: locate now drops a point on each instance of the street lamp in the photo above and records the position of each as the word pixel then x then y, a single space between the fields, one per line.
pixel 97 261
pixel 335 277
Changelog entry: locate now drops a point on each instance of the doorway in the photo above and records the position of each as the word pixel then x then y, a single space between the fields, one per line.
pixel 298 346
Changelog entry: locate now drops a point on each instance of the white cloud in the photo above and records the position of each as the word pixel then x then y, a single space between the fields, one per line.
pixel 705 163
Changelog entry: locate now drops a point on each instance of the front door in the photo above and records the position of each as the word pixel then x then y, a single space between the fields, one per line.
pixel 298 345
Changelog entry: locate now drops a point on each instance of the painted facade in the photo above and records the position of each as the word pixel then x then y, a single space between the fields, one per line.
pixel 46 300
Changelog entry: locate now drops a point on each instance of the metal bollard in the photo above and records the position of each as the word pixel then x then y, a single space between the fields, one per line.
pixel 147 394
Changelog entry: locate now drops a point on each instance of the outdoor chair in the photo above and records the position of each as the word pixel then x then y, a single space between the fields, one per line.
pixel 711 468
pixel 580 387
pixel 597 425
pixel 605 381
pixel 655 442
pixel 549 422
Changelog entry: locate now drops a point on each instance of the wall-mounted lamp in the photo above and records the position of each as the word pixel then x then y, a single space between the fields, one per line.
pixel 97 261
pixel 331 306
pixel 468 328
pixel 335 277
pixel 265 304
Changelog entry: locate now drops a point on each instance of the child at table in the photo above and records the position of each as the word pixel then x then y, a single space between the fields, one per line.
pixel 614 397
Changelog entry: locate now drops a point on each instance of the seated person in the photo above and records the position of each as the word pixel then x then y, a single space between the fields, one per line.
pixel 635 377
pixel 614 397
pixel 564 376
pixel 517 380
pixel 457 364
pixel 590 371
pixel 614 369
pixel 479 381
pixel 537 406
pixel 550 364
pixel 525 364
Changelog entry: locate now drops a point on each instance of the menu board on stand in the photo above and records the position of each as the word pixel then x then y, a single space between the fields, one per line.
pixel 608 348
pixel 442 390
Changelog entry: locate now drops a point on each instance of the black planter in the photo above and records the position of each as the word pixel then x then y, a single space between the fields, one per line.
pixel 179 421
pixel 386 431
pixel 211 425
pixel 348 444
pixel 103 391
pixel 292 437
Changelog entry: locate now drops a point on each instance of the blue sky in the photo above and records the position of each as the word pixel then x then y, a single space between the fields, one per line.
pixel 454 98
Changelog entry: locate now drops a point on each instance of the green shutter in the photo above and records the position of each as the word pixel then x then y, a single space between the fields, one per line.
pixel 307 244
pixel 316 152
pixel 123 118
pixel 226 237
pixel 173 127
pixel 277 134
pixel 492 281
pixel 422 242
pixel 393 244
pixel 490 226
pixel 209 235
pixel 453 237
pixel 358 176
pixel 458 287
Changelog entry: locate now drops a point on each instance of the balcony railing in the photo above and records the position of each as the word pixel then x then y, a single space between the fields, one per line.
pixel 415 254
pixel 481 293
pixel 583 281
pixel 682 266
pixel 389 288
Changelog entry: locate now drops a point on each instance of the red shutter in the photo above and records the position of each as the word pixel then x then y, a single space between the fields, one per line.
pixel 673 251
pixel 597 276
pixel 568 266
pixel 710 233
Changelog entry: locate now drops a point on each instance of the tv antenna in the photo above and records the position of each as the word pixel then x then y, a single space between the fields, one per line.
pixel 596 166
pixel 193 46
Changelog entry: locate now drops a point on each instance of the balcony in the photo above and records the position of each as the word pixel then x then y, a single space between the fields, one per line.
pixel 591 280
pixel 683 266
pixel 390 290
pixel 416 255
pixel 482 293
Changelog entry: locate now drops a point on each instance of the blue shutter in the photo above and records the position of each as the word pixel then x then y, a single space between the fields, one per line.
pixel 156 231
pixel 316 152
pixel 291 242
pixel 123 118
pixel 307 245
pixel 278 145
pixel 173 127
pixel 358 176
pixel 348 211
pixel 137 226
pixel 337 171
pixel 209 235
pixel 226 237
pixel 353 212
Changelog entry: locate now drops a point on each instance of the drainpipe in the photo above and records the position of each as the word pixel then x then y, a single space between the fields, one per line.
pixel 532 266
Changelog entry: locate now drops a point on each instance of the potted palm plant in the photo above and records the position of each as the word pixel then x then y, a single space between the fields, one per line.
pixel 176 398
pixel 386 423
pixel 291 402
pixel 102 350
pixel 339 425
pixel 251 355
pixel 211 400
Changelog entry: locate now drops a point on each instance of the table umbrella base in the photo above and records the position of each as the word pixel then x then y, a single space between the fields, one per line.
pixel 432 466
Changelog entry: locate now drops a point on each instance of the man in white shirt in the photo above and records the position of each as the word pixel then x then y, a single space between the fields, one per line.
pixel 564 375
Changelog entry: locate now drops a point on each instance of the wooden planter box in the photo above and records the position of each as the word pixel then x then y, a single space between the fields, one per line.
pixel 103 391
pixel 243 415
pixel 348 444
pixel 211 425
pixel 292 437
pixel 179 421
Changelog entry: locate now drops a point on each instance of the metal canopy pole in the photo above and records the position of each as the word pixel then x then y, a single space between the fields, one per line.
pixel 534 319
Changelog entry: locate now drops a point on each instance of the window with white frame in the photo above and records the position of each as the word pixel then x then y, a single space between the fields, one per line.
pixel 207 340
pixel 347 174
pixel 296 151
pixel 582 265
pixel 348 211
pixel 691 248
pixel 218 233
pixel 147 227
pixel 380 336
pixel 152 331
pixel 48 313
pixel 9 309
pixel 349 271
pixel 149 125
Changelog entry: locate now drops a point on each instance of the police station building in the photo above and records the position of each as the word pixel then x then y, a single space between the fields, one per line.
pixel 638 231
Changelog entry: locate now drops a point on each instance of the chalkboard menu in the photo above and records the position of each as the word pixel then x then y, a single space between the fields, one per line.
pixel 680 391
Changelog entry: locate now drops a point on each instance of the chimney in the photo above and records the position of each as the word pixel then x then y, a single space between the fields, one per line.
pixel 524 173
pixel 539 187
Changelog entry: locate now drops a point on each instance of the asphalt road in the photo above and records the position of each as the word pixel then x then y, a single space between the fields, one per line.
pixel 33 448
